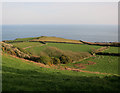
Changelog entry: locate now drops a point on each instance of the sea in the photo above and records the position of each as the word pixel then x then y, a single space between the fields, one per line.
pixel 90 33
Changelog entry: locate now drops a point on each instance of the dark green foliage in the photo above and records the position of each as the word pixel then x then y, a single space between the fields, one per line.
pixel 42 42
pixel 33 58
pixel 44 59
pixel 56 60
pixel 65 59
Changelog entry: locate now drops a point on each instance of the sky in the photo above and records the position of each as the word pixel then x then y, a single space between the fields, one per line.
pixel 60 13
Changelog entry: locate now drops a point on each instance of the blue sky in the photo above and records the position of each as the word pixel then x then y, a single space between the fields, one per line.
pixel 60 13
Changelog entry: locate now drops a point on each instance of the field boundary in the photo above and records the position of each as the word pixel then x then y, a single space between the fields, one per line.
pixel 115 44
pixel 108 54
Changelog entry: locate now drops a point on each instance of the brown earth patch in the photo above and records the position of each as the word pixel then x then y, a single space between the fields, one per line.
pixel 83 66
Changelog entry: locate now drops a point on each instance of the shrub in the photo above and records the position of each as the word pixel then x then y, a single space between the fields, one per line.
pixel 45 60
pixel 65 59
pixel 76 56
pixel 22 50
pixel 34 58
pixel 56 60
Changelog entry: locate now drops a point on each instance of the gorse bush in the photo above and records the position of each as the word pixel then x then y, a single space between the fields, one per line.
pixel 45 60
pixel 65 59
pixel 76 56
pixel 55 60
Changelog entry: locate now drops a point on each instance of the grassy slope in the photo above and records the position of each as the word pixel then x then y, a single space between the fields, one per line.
pixel 72 47
pixel 26 44
pixel 112 50
pixel 55 39
pixel 105 64
pixel 24 39
pixel 19 75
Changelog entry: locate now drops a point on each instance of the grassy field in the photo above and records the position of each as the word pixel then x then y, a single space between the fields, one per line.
pixel 56 39
pixel 112 50
pixel 104 64
pixel 71 47
pixel 25 39
pixel 26 44
pixel 20 75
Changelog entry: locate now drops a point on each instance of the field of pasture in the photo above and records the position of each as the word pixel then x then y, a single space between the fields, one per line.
pixel 22 75
pixel 72 67
pixel 112 50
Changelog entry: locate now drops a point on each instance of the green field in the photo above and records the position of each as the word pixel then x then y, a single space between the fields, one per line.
pixel 112 50
pixel 26 44
pixel 71 47
pixel 25 39
pixel 20 75
pixel 104 64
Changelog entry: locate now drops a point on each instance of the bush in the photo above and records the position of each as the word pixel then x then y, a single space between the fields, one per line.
pixel 33 58
pixel 55 60
pixel 22 50
pixel 65 59
pixel 45 60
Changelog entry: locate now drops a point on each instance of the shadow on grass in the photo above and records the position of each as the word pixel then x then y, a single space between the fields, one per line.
pixel 29 80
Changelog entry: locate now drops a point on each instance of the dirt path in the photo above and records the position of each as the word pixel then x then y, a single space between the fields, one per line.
pixel 60 67
pixel 33 46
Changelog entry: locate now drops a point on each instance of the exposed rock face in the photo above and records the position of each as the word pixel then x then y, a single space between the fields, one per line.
pixel 14 50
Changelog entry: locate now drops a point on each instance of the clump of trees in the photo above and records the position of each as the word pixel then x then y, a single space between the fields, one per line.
pixel 54 60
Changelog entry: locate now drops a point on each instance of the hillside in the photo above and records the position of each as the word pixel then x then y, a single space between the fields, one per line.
pixel 21 75
pixel 45 39
pixel 56 39
pixel 54 66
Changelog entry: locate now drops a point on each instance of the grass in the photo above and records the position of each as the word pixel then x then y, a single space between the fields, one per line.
pixel 26 44
pixel 112 50
pixel 56 39
pixel 71 47
pixel 104 64
pixel 20 75
pixel 25 39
